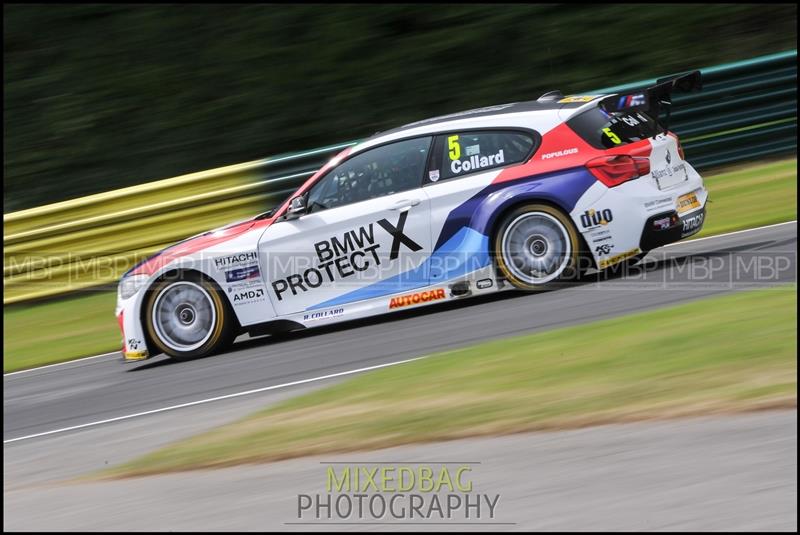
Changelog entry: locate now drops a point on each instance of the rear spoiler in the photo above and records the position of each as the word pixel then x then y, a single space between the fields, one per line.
pixel 655 97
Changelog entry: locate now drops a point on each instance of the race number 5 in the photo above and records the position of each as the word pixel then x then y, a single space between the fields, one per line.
pixel 455 148
pixel 612 136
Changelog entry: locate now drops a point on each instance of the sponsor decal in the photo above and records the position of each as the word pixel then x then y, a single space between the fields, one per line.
pixel 236 259
pixel 484 283
pixel 433 175
pixel 692 224
pixel 661 173
pixel 244 285
pixel 248 296
pixel 241 274
pixel 559 153
pixel 475 162
pixel 594 218
pixel 629 101
pixel 663 223
pixel 668 171
pixel 600 235
pixel 687 202
pixel 628 119
pixel 323 315
pixel 611 260
pixel 601 239
pixel 577 98
pixel 134 344
pixel 417 298
pixel 651 206
pixel 603 249
pixel 343 258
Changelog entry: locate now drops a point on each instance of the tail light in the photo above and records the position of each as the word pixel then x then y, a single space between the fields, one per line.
pixel 614 170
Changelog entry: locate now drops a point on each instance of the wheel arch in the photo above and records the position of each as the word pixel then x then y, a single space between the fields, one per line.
pixel 502 212
pixel 174 272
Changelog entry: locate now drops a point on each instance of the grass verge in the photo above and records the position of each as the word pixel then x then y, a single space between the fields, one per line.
pixel 56 331
pixel 742 197
pixel 751 196
pixel 731 353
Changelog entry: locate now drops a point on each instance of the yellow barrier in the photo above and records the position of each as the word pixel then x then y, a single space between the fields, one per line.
pixel 91 241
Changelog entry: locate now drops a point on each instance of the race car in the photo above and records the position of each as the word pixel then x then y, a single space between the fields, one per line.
pixel 515 196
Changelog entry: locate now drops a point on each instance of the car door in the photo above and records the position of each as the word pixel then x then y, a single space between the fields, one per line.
pixel 365 233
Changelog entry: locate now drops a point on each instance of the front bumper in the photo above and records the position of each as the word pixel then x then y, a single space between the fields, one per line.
pixel 134 356
pixel 134 347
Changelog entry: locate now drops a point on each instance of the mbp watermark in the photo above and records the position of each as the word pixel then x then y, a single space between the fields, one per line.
pixel 388 492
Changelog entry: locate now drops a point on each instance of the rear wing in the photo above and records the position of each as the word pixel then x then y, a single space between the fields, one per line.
pixel 655 98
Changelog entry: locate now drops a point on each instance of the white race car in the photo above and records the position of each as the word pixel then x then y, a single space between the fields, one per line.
pixel 508 196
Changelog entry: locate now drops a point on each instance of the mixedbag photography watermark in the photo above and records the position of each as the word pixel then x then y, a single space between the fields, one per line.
pixel 398 493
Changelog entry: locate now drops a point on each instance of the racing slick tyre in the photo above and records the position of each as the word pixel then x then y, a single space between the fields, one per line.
pixel 536 246
pixel 186 316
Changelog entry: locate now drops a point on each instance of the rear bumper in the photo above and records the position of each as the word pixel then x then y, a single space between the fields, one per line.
pixel 669 227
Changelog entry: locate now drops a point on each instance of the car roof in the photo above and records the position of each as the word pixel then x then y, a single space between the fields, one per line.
pixel 541 114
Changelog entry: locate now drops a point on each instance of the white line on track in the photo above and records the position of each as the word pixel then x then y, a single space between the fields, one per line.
pixel 218 398
pixel 670 245
pixel 731 233
pixel 118 353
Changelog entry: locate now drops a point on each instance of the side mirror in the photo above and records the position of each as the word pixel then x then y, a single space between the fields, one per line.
pixel 297 207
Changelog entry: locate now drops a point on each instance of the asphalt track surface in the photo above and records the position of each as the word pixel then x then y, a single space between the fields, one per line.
pixel 718 473
pixel 86 393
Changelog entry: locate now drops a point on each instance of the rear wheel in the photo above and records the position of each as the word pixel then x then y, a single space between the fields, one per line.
pixel 535 246
pixel 186 317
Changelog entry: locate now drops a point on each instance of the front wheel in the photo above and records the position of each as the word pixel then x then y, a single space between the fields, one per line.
pixel 535 246
pixel 187 317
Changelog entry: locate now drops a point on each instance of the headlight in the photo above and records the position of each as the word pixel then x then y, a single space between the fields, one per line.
pixel 130 285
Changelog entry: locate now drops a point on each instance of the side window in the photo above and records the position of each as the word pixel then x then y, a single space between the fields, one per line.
pixel 374 173
pixel 463 153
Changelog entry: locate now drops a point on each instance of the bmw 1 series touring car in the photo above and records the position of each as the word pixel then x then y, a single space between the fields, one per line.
pixel 490 199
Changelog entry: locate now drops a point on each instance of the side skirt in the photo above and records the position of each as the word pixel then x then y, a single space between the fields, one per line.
pixel 480 282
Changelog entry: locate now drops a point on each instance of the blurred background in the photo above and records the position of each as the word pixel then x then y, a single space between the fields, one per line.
pixel 97 97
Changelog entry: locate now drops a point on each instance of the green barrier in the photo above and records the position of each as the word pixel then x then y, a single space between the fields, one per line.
pixel 747 110
pixel 81 243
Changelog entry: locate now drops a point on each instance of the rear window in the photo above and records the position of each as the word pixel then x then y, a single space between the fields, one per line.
pixel 604 130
